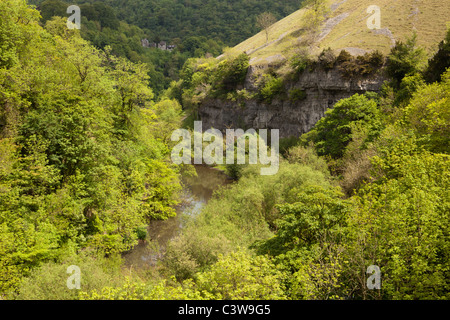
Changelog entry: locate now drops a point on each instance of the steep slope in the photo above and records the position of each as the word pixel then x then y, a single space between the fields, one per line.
pixel 344 27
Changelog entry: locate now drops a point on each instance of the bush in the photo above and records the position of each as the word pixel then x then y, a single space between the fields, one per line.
pixel 364 65
pixel 428 114
pixel 141 232
pixel 327 59
pixel 344 56
pixel 332 133
pixel 234 170
pixel 401 224
pixel 301 61
pixel 270 88
pixel 192 252
pixel 404 59
pixel 307 156
pixel 440 61
pixel 232 72
pixel 297 94
pixel 49 281
pixel 241 276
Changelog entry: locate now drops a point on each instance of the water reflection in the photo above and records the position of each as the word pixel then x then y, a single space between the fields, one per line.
pixel 197 191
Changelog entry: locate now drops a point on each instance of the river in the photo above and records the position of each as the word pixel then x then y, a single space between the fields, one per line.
pixel 196 193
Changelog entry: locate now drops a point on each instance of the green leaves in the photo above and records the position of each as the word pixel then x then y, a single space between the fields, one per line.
pixel 405 59
pixel 271 87
pixel 82 156
pixel 241 276
pixel 402 225
pixel 333 132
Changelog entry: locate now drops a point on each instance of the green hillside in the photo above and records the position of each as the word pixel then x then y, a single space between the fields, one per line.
pixel 345 26
pixel 94 205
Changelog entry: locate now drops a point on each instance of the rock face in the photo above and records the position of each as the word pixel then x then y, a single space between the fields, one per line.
pixel 293 118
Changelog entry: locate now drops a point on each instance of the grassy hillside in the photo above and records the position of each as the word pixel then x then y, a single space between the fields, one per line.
pixel 345 27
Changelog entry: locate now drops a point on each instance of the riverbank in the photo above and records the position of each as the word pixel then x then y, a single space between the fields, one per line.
pixel 197 191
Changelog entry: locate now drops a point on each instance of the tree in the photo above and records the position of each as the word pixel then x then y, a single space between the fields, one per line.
pixel 264 21
pixel 333 132
pixel 314 15
pixel 82 159
pixel 240 276
pixel 428 114
pixel 440 61
pixel 405 59
pixel 401 224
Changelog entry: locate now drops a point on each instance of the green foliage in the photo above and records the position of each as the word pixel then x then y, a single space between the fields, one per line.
pixel 240 276
pixel 439 62
pixel 301 61
pixel 297 94
pixel 315 218
pixel 220 20
pixel 286 143
pixel 315 13
pixel 367 64
pixel 308 242
pixel 408 86
pixel 192 252
pixel 212 77
pixel 84 164
pixel 97 11
pixel 401 225
pixel 231 72
pixel 237 216
pixel 307 156
pixel 428 114
pixel 49 281
pixel 139 290
pixel 404 59
pixel 83 158
pixel 333 132
pixel 270 88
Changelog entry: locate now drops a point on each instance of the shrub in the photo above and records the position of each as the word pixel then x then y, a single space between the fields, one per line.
pixel 364 65
pixel 327 59
pixel 141 232
pixel 297 94
pixel 301 61
pixel 439 62
pixel 270 88
pixel 344 56
pixel 192 252
pixel 241 276
pixel 49 281
pixel 307 156
pixel 404 59
pixel 401 224
pixel 231 72
pixel 332 133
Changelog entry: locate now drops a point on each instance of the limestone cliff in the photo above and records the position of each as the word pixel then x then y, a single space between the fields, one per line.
pixel 323 89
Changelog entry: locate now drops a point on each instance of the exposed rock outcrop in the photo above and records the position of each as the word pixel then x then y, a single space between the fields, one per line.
pixel 293 118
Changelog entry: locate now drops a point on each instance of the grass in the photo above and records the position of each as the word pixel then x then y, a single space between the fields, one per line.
pixel 428 17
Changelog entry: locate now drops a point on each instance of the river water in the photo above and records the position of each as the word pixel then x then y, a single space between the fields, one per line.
pixel 196 193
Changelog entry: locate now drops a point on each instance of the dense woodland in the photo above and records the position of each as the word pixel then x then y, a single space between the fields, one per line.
pixel 196 28
pixel 85 164
pixel 228 21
